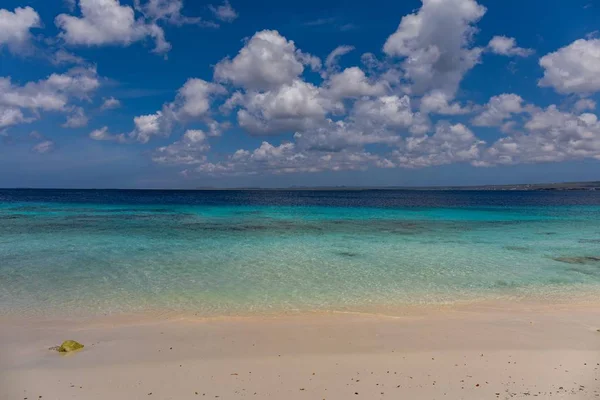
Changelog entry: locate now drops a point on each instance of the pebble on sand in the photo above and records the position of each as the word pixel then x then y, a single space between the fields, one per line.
pixel 68 346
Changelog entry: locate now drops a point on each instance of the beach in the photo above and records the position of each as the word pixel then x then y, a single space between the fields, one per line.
pixel 477 351
pixel 318 200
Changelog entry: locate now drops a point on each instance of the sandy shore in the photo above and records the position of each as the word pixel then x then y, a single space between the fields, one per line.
pixel 494 351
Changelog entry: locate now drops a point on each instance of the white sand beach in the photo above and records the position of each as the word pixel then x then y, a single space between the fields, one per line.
pixel 491 351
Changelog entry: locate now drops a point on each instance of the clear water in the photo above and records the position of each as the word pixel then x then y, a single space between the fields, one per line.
pixel 238 252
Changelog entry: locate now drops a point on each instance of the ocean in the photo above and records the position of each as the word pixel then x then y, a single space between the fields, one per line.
pixel 237 252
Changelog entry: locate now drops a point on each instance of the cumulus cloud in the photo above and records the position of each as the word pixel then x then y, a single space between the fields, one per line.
pixel 574 68
pixel 584 104
pixel 273 98
pixel 194 98
pixel 76 119
pixel 35 96
pixel 353 83
pixel 384 112
pixel 450 143
pixel 102 134
pixel 186 151
pixel 192 103
pixel 296 106
pixel 436 44
pixel 224 12
pixel 286 158
pixel 110 103
pixel 339 136
pixel 107 22
pixel 438 102
pixel 15 27
pixel 63 57
pixel 550 135
pixel 165 10
pixel 43 147
pixel 507 46
pixel 267 61
pixel 146 126
pixel 24 103
pixel 11 116
pixel 321 144
pixel 216 128
pixel 498 109
pixel 332 59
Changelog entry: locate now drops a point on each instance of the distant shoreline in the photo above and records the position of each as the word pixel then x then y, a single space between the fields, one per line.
pixel 560 186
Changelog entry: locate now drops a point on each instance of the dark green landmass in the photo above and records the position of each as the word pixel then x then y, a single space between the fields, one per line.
pixel 561 186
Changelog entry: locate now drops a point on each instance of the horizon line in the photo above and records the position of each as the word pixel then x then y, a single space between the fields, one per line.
pixel 552 185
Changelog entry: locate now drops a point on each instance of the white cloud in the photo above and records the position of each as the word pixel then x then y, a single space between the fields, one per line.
pixel 286 158
pixel 165 10
pixel 43 147
pixel 437 102
pixel 339 146
pixel 103 134
pixel 333 57
pixel 33 96
pixel 337 122
pixel 267 61
pixel 51 94
pixel 216 128
pixel 110 103
pixel 78 82
pixel 63 57
pixel 584 104
pixel 15 27
pixel 449 144
pixel 186 151
pixel 551 136
pixel 296 106
pixel 195 97
pixel 170 11
pixel 574 68
pixel 320 144
pixel 507 46
pixel 76 119
pixel 384 112
pixel 107 22
pixel 25 103
pixel 436 44
pixel 341 136
pixel 192 102
pixel 274 98
pixel 146 126
pixel 224 12
pixel 11 116
pixel 352 83
pixel 498 109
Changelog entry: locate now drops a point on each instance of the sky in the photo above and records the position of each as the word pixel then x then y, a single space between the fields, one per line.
pixel 190 93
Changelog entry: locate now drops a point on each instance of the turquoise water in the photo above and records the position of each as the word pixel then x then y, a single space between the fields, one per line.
pixel 109 252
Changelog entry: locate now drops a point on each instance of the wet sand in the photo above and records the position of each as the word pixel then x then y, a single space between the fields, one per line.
pixel 484 351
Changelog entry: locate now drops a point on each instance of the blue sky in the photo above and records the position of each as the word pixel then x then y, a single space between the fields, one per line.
pixel 184 94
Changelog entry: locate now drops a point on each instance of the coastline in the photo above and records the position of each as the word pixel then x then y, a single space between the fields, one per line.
pixel 474 351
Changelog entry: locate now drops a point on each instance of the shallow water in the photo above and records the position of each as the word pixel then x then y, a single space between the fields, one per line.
pixel 239 252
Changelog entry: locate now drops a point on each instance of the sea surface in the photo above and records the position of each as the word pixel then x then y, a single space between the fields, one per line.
pixel 87 252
